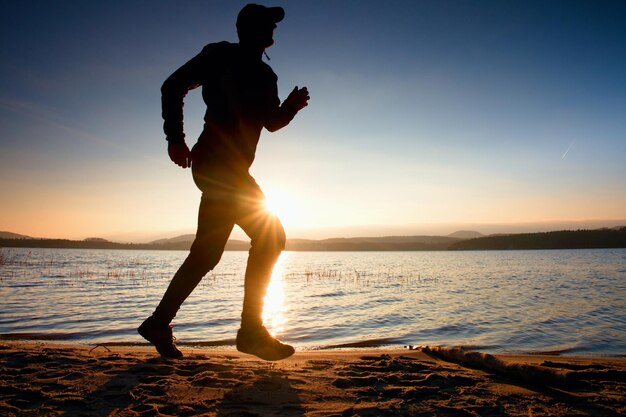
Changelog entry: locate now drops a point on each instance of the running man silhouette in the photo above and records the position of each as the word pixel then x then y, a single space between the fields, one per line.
pixel 241 95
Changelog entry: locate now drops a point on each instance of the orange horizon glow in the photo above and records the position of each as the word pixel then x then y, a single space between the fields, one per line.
pixel 117 212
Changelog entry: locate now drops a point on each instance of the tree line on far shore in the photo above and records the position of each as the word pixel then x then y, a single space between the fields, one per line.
pixel 565 239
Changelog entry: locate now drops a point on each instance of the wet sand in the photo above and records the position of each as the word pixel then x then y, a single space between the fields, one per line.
pixel 53 379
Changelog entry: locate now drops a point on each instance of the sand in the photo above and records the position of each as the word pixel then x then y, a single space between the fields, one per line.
pixel 53 379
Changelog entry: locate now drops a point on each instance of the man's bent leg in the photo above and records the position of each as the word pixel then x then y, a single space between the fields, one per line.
pixel 268 240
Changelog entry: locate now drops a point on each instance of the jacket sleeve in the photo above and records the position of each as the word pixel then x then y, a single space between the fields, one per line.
pixel 174 90
pixel 278 115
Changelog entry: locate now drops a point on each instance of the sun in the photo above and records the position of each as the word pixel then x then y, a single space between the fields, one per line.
pixel 283 205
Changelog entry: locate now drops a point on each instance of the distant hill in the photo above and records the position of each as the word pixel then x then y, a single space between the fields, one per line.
pixel 466 234
pixel 178 239
pixel 11 235
pixel 183 242
pixel 95 239
pixel 565 239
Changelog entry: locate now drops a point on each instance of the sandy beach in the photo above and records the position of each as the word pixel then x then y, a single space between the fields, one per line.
pixel 53 379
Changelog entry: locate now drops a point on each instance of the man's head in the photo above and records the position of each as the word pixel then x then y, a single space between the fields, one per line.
pixel 256 24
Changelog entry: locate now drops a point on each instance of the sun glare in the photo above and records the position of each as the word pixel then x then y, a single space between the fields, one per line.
pixel 282 205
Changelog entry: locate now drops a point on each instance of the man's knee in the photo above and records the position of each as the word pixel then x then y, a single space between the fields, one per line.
pixel 271 239
pixel 204 257
pixel 276 237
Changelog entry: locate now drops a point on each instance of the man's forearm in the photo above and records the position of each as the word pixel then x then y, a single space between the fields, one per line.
pixel 172 112
pixel 280 118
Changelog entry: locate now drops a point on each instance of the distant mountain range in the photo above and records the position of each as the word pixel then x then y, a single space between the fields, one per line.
pixel 387 243
pixel 461 240
pixel 183 242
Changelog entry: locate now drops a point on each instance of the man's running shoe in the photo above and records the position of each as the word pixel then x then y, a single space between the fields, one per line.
pixel 161 336
pixel 258 342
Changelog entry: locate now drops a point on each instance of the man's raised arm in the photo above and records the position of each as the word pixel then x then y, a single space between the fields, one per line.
pixel 283 114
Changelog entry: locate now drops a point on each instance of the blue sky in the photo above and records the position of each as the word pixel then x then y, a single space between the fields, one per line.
pixel 425 117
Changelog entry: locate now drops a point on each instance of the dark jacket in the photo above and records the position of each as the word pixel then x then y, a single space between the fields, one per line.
pixel 241 95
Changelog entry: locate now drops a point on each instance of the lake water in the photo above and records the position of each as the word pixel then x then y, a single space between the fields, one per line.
pixel 570 301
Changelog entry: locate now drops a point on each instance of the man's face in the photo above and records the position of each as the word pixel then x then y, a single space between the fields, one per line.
pixel 261 34
pixel 266 34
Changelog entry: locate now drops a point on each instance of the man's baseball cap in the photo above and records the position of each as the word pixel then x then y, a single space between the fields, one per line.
pixel 253 14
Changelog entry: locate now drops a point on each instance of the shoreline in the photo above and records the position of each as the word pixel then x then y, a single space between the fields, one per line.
pixel 52 379
pixel 360 346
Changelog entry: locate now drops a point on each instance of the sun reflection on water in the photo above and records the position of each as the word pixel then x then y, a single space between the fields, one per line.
pixel 274 309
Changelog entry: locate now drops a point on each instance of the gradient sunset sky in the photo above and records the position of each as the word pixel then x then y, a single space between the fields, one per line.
pixel 425 116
